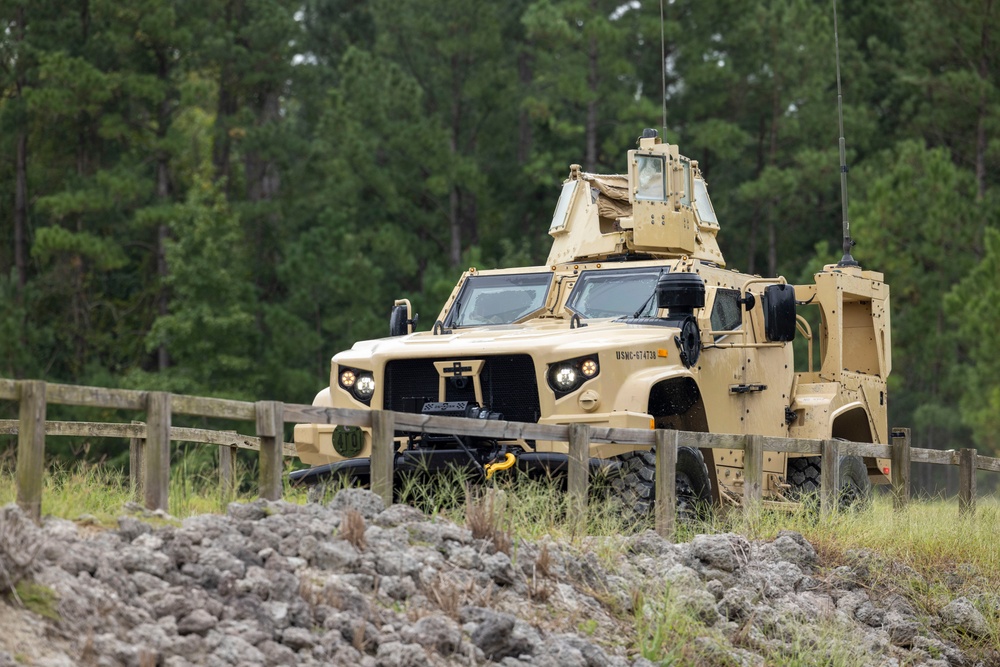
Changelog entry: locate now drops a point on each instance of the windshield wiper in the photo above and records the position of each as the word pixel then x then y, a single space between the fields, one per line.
pixel 646 302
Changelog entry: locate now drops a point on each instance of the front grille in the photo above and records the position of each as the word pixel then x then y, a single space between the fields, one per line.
pixel 508 386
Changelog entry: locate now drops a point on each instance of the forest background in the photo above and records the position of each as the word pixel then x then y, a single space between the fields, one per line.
pixel 212 197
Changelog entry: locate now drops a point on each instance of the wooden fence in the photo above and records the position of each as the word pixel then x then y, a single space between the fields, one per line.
pixel 151 445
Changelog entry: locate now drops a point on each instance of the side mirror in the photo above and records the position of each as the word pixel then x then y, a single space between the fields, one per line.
pixel 779 313
pixel 400 322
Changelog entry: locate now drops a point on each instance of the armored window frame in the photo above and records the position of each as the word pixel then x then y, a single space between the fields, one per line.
pixel 727 312
pixel 706 212
pixel 652 168
pixel 560 217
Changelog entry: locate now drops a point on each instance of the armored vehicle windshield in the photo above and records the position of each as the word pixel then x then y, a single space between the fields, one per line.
pixel 615 293
pixel 499 299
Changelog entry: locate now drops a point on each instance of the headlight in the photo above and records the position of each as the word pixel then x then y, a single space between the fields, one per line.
pixel 567 376
pixel 364 387
pixel 361 384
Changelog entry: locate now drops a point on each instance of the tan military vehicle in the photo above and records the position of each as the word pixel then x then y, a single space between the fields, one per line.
pixel 634 321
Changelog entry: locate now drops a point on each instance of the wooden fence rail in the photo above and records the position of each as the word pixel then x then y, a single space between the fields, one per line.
pixel 151 441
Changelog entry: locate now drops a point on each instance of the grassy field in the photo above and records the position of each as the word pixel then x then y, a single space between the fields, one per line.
pixel 926 553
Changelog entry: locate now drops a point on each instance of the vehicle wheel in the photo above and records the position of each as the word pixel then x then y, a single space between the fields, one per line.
pixel 855 487
pixel 803 476
pixel 635 486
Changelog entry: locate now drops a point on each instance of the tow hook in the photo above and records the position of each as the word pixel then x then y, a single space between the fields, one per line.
pixel 507 463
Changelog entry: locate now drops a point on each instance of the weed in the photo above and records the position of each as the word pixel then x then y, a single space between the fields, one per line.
pixel 543 562
pixel 486 521
pixel 358 638
pixel 352 528
pixel 37 598
pixel 447 595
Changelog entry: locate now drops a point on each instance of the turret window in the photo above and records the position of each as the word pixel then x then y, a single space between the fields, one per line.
pixel 651 181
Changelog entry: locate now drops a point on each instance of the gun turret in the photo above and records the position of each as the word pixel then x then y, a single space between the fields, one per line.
pixel 660 209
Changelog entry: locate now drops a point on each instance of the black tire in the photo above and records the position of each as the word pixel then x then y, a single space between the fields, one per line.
pixel 855 487
pixel 636 490
pixel 803 476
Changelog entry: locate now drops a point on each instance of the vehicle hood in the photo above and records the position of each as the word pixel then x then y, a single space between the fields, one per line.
pixel 552 337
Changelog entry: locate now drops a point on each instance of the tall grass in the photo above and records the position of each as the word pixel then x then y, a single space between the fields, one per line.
pixel 100 494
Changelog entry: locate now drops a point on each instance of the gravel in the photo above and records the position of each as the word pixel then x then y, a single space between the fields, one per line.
pixel 273 583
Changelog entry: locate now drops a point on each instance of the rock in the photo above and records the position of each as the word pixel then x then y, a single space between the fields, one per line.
pixel 649 543
pixel 397 654
pixel 494 636
pixel 130 528
pixel 234 650
pixel 843 578
pixel 794 548
pixel 252 511
pixel 398 514
pixel 723 552
pixel 436 632
pixel 963 616
pixel 335 555
pixel 298 638
pixel 499 567
pixel 700 604
pixel 279 654
pixel 902 629
pixel 736 604
pixel 366 503
pixel 198 622
pixel 868 614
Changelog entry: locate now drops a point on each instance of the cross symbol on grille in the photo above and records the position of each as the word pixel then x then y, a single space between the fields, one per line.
pixel 457 369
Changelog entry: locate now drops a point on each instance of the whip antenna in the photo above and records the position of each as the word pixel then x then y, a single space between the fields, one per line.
pixel 663 73
pixel 846 260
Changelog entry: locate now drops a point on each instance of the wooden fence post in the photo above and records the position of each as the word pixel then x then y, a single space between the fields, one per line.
pixel 227 458
pixel 900 471
pixel 753 471
pixel 829 484
pixel 666 483
pixel 271 430
pixel 383 458
pixel 31 447
pixel 156 458
pixel 136 450
pixel 967 482
pixel 578 473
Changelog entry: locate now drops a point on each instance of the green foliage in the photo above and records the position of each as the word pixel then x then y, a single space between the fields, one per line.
pixel 210 329
pixel 914 227
pixel 974 305
pixel 219 195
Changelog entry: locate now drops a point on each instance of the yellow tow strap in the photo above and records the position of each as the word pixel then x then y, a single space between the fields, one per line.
pixel 502 465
